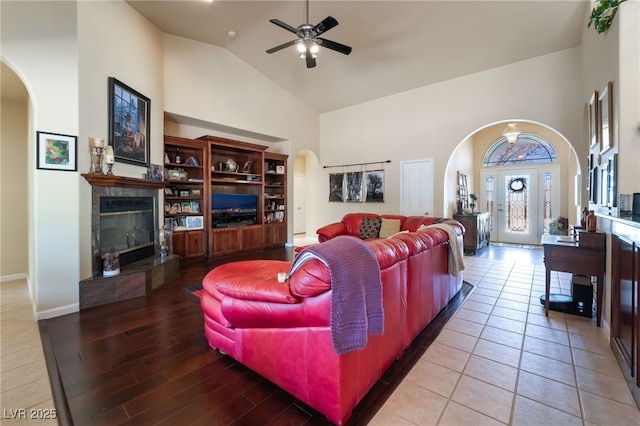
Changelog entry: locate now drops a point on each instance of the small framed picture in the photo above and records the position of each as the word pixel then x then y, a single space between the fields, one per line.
pixel 56 151
pixel 593 119
pixel 280 170
pixel 184 193
pixel 605 111
pixel 194 222
pixel 169 191
pixel 196 193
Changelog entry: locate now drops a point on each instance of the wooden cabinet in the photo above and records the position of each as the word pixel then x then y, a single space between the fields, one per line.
pixel 477 230
pixel 188 244
pixel 224 196
pixel 625 285
pixel 185 203
pixel 275 199
pixel 225 241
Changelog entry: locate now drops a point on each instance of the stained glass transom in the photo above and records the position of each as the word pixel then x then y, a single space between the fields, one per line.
pixel 527 149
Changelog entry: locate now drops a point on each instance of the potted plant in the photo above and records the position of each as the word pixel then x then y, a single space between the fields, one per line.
pixel 603 14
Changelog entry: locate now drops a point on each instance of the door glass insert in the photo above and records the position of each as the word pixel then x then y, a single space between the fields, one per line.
pixel 517 204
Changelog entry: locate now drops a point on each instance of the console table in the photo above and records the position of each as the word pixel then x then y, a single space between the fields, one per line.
pixel 584 255
pixel 477 230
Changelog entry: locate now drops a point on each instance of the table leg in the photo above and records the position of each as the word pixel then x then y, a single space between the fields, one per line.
pixel 599 295
pixel 547 290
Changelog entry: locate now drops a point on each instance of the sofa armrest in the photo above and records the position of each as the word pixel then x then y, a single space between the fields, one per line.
pixel 330 231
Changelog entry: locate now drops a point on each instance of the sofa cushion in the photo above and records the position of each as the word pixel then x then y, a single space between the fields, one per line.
pixel 389 227
pixel 369 228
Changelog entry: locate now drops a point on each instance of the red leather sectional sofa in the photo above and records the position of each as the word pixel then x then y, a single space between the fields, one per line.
pixel 282 330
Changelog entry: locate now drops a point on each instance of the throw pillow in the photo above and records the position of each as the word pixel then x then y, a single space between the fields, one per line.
pixel 388 227
pixel 369 228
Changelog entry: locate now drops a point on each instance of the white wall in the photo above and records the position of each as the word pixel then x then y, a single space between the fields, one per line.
pixel 14 231
pixel 430 122
pixel 39 43
pixel 615 56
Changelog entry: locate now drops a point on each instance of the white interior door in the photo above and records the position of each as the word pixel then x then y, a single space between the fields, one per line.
pixel 299 204
pixel 416 181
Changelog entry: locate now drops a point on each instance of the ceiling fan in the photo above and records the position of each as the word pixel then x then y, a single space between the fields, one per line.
pixel 308 40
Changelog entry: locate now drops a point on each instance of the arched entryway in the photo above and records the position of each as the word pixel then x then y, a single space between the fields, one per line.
pixel 520 186
pixel 541 167
pixel 14 168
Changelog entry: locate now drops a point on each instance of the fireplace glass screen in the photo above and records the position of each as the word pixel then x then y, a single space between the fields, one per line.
pixel 127 226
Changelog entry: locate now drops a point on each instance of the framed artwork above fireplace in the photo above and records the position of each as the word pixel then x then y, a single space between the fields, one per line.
pixel 129 124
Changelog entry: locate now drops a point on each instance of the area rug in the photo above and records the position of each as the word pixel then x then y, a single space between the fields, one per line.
pixel 195 290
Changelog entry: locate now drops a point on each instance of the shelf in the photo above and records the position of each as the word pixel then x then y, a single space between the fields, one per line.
pixel 122 181
pixel 190 166
pixel 182 182
pixel 234 181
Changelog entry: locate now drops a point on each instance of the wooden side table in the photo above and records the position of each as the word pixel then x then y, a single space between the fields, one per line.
pixel 584 255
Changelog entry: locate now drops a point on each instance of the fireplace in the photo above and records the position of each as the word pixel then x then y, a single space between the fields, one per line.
pixel 124 218
pixel 127 225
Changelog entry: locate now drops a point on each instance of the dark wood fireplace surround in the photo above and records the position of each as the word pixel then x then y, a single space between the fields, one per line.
pixel 138 278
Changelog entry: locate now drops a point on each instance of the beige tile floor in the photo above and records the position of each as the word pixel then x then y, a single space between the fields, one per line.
pixel 499 360
pixel 25 393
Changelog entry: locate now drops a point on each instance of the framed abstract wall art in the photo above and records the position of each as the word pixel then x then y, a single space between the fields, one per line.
pixel 56 151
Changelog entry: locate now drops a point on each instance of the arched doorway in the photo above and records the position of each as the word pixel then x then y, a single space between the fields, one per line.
pixel 14 175
pixel 480 151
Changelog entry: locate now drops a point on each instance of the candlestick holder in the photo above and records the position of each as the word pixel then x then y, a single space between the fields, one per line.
pixel 98 165
pixel 109 168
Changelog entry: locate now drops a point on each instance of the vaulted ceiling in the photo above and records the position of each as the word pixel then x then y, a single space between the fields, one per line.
pixel 397 45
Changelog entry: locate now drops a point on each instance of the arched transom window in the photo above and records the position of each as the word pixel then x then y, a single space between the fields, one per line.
pixel 527 149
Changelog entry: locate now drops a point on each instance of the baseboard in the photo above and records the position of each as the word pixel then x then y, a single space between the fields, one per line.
pixel 56 312
pixel 13 277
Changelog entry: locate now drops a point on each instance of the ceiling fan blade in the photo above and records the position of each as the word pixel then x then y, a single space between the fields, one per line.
pixel 338 47
pixel 283 46
pixel 324 26
pixel 283 25
pixel 311 61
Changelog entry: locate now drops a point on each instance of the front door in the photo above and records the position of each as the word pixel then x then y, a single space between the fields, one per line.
pixel 512 197
pixel 522 202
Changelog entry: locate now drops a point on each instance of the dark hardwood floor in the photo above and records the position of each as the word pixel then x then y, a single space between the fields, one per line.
pixel 146 361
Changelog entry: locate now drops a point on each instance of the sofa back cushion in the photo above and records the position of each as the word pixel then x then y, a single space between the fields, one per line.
pixel 352 222
pixel 412 223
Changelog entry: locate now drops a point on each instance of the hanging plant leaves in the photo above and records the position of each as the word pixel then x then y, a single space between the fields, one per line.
pixel 603 14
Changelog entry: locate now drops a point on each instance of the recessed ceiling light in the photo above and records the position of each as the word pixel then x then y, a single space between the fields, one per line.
pixel 231 34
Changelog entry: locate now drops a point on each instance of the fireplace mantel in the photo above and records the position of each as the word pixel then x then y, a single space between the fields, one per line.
pixel 122 181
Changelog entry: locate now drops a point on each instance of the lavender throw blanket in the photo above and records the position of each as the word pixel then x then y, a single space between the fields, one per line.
pixel 356 301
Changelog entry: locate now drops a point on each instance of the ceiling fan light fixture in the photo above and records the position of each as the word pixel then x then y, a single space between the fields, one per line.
pixel 511 133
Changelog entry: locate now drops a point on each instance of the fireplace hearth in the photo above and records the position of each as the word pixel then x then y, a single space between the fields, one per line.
pixel 124 216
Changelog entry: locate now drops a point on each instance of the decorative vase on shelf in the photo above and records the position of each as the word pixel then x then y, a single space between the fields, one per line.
pixel 591 221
